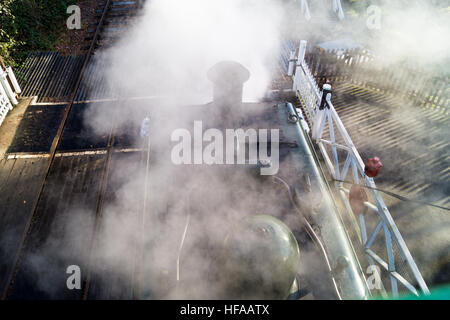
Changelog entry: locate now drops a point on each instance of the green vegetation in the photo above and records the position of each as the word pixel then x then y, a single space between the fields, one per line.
pixel 30 25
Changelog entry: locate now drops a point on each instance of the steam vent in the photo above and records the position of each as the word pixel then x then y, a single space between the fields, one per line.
pixel 228 78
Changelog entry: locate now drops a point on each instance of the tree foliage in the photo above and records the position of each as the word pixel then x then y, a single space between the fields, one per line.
pixel 30 25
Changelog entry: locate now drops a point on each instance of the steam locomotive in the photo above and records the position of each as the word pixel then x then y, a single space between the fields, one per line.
pixel 250 216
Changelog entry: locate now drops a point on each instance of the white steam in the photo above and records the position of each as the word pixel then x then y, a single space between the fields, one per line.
pixel 167 54
pixel 170 49
pixel 413 31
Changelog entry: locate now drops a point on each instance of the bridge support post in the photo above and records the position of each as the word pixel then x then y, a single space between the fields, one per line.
pixel 300 59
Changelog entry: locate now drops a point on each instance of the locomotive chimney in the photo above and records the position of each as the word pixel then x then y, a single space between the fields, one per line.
pixel 228 78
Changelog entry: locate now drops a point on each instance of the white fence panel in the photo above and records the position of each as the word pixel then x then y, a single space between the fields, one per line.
pixel 7 93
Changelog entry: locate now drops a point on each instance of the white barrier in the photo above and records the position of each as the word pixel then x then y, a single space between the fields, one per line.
pixel 5 105
pixel 7 94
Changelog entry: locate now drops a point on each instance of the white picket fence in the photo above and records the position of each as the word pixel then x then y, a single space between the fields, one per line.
pixel 309 93
pixel 9 89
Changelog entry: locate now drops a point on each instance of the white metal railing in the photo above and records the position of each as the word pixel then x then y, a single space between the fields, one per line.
pixel 9 88
pixel 309 93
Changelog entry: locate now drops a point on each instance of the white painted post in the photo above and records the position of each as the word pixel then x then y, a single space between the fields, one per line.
pixel 7 88
pixel 301 52
pixel 337 7
pixel 5 105
pixel 292 61
pixel 305 9
pixel 13 79
pixel 300 58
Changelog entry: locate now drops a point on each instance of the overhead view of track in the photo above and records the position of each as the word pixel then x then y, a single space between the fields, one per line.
pixel 88 178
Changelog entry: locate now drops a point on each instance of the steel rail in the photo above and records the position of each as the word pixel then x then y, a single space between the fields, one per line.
pixel 140 247
pixel 99 209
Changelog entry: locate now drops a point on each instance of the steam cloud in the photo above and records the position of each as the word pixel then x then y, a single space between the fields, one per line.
pixel 167 54
pixel 414 31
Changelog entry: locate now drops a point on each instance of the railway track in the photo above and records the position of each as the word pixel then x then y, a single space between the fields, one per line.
pixel 79 172
pixel 52 76
pixel 64 176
